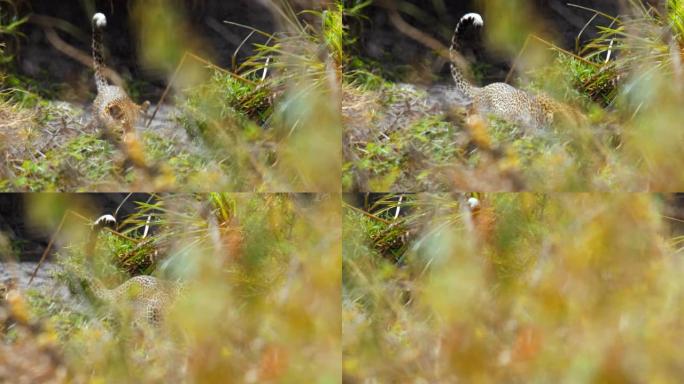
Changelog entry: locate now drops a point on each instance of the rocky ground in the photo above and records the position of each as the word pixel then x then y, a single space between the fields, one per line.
pixel 385 119
pixel 45 282
pixel 67 120
pixel 50 150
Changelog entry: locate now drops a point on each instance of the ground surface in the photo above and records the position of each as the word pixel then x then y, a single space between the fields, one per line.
pixel 406 137
pixel 45 282
pixel 65 151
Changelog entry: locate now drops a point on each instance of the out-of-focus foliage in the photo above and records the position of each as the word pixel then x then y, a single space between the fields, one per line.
pixel 260 278
pixel 648 47
pixel 527 288
pixel 276 119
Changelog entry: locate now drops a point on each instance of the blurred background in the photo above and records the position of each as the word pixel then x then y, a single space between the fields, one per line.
pixel 377 35
pixel 31 239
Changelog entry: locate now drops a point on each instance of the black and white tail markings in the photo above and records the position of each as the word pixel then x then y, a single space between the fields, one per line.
pixel 468 20
pixel 99 22
pixel 106 220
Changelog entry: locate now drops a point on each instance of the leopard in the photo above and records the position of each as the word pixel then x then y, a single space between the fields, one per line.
pixel 113 108
pixel 145 298
pixel 529 111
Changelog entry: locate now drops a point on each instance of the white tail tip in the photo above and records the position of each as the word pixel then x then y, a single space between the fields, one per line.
pixel 473 203
pixel 100 20
pixel 475 17
pixel 105 220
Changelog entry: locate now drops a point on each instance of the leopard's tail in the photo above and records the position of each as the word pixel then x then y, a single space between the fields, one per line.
pixel 92 284
pixel 468 20
pixel 94 288
pixel 99 22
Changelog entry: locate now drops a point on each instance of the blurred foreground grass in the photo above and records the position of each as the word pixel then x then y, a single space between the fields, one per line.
pixel 626 81
pixel 527 288
pixel 259 302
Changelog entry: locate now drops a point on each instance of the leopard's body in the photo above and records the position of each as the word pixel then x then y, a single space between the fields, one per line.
pixel 502 100
pixel 113 108
pixel 146 298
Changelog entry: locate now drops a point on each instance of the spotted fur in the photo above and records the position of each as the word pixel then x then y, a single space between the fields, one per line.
pixel 146 296
pixel 502 100
pixel 112 107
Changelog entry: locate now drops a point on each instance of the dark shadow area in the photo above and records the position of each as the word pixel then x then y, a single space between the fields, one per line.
pixel 380 40
pixel 29 240
pixel 69 79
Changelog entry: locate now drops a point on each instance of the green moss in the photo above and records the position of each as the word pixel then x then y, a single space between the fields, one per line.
pixel 388 158
pixel 224 97
pixel 368 75
pixel 63 319
pixel 184 164
pixel 85 157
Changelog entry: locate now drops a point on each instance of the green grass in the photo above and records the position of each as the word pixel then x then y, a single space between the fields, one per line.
pixel 84 157
pixel 385 240
pixel 576 82
pixel 88 162
pixel 366 75
pixel 10 25
pixel 224 106
pixel 64 321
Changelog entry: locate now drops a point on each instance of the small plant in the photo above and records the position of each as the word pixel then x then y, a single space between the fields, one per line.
pixel 10 24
